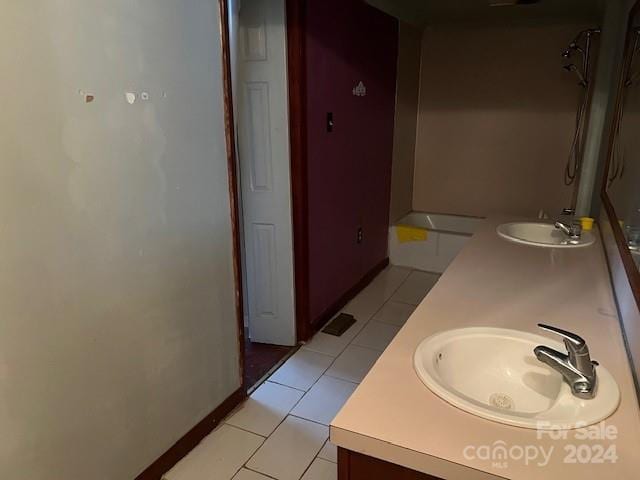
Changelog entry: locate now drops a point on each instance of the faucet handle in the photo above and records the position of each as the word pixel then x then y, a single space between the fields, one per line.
pixel 577 368
pixel 571 340
pixel 576 346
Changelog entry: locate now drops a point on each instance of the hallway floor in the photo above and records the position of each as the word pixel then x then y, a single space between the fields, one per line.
pixel 259 358
pixel 281 432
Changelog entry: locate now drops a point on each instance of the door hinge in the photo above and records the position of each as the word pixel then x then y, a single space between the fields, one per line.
pixel 360 235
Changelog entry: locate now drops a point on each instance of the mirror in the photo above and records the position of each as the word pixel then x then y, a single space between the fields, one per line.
pixel 623 173
pixel 620 195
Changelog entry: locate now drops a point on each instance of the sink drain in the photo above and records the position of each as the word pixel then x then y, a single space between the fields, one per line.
pixel 501 400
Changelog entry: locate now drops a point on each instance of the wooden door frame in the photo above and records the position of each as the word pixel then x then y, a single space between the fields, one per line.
pixel 296 79
pixel 232 168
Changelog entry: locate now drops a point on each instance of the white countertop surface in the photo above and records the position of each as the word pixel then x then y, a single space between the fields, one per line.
pixel 492 282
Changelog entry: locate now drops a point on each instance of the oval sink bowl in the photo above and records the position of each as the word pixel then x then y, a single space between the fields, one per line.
pixel 493 373
pixel 541 235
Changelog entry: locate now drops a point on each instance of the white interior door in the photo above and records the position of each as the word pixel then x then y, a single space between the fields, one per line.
pixel 263 146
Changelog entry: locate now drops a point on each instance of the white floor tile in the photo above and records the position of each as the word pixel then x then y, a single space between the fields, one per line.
pixel 332 345
pixel 365 304
pixel 376 335
pixel 415 287
pixel 353 364
pixel 302 369
pixel 388 281
pixel 288 452
pixel 329 452
pixel 323 401
pixel 266 408
pixel 245 474
pixel 363 307
pixel 394 313
pixel 321 470
pixel 219 455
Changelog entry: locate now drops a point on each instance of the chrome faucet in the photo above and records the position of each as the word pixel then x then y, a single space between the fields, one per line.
pixel 576 367
pixel 571 229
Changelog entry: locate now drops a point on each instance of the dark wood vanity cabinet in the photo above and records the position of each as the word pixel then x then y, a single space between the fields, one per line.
pixel 356 466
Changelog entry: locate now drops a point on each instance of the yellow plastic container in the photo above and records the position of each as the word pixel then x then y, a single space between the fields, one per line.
pixel 409 233
pixel 587 223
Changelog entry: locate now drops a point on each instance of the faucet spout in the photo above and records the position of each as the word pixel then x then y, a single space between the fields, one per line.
pixel 556 360
pixel 573 230
pixel 563 227
pixel 576 367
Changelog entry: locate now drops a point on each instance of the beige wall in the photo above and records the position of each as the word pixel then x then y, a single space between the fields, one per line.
pixel 404 135
pixel 496 120
pixel 117 330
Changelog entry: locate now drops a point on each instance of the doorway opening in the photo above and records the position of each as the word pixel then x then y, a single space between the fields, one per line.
pixel 257 42
pixel 260 359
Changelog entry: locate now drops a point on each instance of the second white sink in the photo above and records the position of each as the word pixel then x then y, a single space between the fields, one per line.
pixel 540 234
pixel 494 374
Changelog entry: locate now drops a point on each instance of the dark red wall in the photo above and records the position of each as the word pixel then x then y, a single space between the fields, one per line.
pixel 349 170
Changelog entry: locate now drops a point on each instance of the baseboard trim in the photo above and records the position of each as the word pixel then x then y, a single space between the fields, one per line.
pixel 325 316
pixel 194 436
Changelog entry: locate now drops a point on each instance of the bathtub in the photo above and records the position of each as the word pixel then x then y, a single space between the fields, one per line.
pixel 437 239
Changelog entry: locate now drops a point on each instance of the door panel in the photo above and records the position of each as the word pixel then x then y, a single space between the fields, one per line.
pixel 263 143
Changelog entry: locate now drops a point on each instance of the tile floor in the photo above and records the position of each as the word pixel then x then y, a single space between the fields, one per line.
pixel 281 432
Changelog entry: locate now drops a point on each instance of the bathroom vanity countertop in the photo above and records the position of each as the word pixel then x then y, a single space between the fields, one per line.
pixel 394 417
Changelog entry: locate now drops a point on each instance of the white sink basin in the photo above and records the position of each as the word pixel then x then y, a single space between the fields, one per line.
pixel 541 235
pixel 493 373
